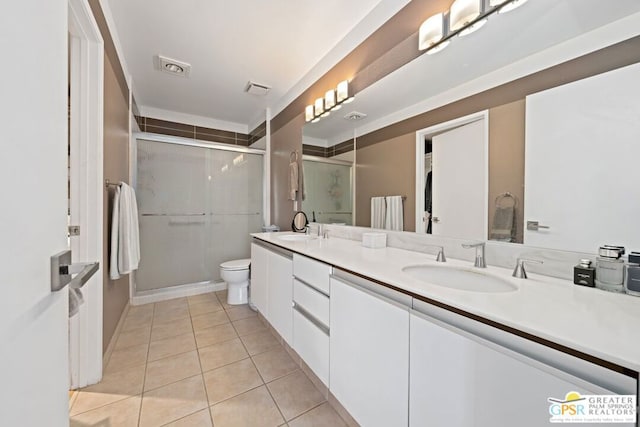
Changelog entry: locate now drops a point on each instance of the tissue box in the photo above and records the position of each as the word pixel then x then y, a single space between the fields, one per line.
pixel 374 240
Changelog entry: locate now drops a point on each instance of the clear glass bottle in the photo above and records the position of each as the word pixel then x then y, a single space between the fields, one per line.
pixel 610 269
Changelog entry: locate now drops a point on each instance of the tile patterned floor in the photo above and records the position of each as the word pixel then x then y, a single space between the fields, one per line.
pixel 200 362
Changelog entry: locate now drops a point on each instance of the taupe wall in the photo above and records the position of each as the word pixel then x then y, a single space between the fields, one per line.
pixel 116 168
pixel 387 169
pixel 506 158
pixel 283 141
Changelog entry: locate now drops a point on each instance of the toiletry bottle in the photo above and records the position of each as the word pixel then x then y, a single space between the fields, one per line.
pixel 632 281
pixel 584 274
pixel 610 268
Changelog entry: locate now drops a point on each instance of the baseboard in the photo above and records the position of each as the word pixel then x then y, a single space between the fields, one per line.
pixel 156 295
pixel 112 342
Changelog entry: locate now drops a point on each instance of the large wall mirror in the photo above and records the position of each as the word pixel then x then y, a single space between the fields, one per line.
pixel 542 156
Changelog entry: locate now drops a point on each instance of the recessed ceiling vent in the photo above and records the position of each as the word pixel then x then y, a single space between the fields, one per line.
pixel 172 66
pixel 257 89
pixel 354 115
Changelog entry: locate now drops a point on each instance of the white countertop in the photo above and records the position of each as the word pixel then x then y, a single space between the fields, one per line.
pixel 602 324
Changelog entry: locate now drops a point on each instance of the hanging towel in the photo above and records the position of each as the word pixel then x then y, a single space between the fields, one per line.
pixel 125 234
pixel 503 227
pixel 75 301
pixel 394 213
pixel 378 208
pixel 301 189
pixel 293 180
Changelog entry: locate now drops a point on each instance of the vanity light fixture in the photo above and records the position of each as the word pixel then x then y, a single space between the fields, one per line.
pixel 463 18
pixel 318 108
pixel 308 113
pixel 508 7
pixel 463 13
pixel 431 31
pixel 332 101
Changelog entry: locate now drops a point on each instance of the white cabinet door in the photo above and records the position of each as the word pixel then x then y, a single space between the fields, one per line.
pixel 259 269
pixel 312 344
pixel 369 356
pixel 280 293
pixel 459 381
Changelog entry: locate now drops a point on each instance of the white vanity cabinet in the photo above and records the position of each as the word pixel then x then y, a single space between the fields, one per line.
pixel 369 357
pixel 460 379
pixel 272 286
pixel 311 324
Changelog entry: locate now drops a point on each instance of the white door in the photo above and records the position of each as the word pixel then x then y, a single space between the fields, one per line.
pixel 587 125
pixel 459 182
pixel 33 218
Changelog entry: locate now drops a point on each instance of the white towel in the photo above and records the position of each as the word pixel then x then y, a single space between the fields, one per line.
pixel 394 213
pixel 378 208
pixel 75 301
pixel 125 233
pixel 293 180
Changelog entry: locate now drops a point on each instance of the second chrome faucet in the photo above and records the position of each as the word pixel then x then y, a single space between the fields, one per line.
pixel 480 261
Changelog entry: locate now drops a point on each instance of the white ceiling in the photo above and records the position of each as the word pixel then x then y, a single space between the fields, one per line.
pixel 228 43
pixel 504 42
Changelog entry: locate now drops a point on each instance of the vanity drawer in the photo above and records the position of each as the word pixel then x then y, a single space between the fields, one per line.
pixel 312 301
pixel 312 272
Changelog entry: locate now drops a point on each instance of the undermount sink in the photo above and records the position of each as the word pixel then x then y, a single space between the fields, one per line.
pixel 466 279
pixel 296 237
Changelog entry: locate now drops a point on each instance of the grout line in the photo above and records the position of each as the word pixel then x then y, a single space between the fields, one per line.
pixel 309 410
pixel 204 383
pixel 144 378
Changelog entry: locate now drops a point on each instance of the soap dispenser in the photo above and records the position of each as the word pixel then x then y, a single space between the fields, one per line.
pixel 610 268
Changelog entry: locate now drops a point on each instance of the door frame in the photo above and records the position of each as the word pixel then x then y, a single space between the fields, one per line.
pixel 432 131
pixel 86 61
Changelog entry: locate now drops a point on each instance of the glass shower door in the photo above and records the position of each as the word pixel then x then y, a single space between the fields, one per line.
pixel 197 209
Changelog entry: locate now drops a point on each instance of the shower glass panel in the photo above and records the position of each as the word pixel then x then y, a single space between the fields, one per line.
pixel 197 207
pixel 328 192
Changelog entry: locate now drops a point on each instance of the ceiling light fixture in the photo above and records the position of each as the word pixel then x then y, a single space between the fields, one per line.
pixel 172 66
pixel 257 89
pixel 332 101
pixel 463 18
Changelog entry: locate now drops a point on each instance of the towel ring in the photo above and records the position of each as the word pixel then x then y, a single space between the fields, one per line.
pixel 504 196
pixel 293 157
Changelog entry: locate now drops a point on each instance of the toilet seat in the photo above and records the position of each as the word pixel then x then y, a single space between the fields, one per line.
pixel 238 264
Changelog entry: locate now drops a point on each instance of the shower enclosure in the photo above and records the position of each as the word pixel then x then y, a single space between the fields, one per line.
pixel 328 190
pixel 197 205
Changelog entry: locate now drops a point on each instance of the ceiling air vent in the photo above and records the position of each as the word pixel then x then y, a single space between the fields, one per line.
pixel 354 115
pixel 257 89
pixel 172 66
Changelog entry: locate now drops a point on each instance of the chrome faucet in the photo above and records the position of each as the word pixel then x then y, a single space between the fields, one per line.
pixel 480 261
pixel 519 272
pixel 440 257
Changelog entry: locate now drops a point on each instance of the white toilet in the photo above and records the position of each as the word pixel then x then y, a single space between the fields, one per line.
pixel 236 274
